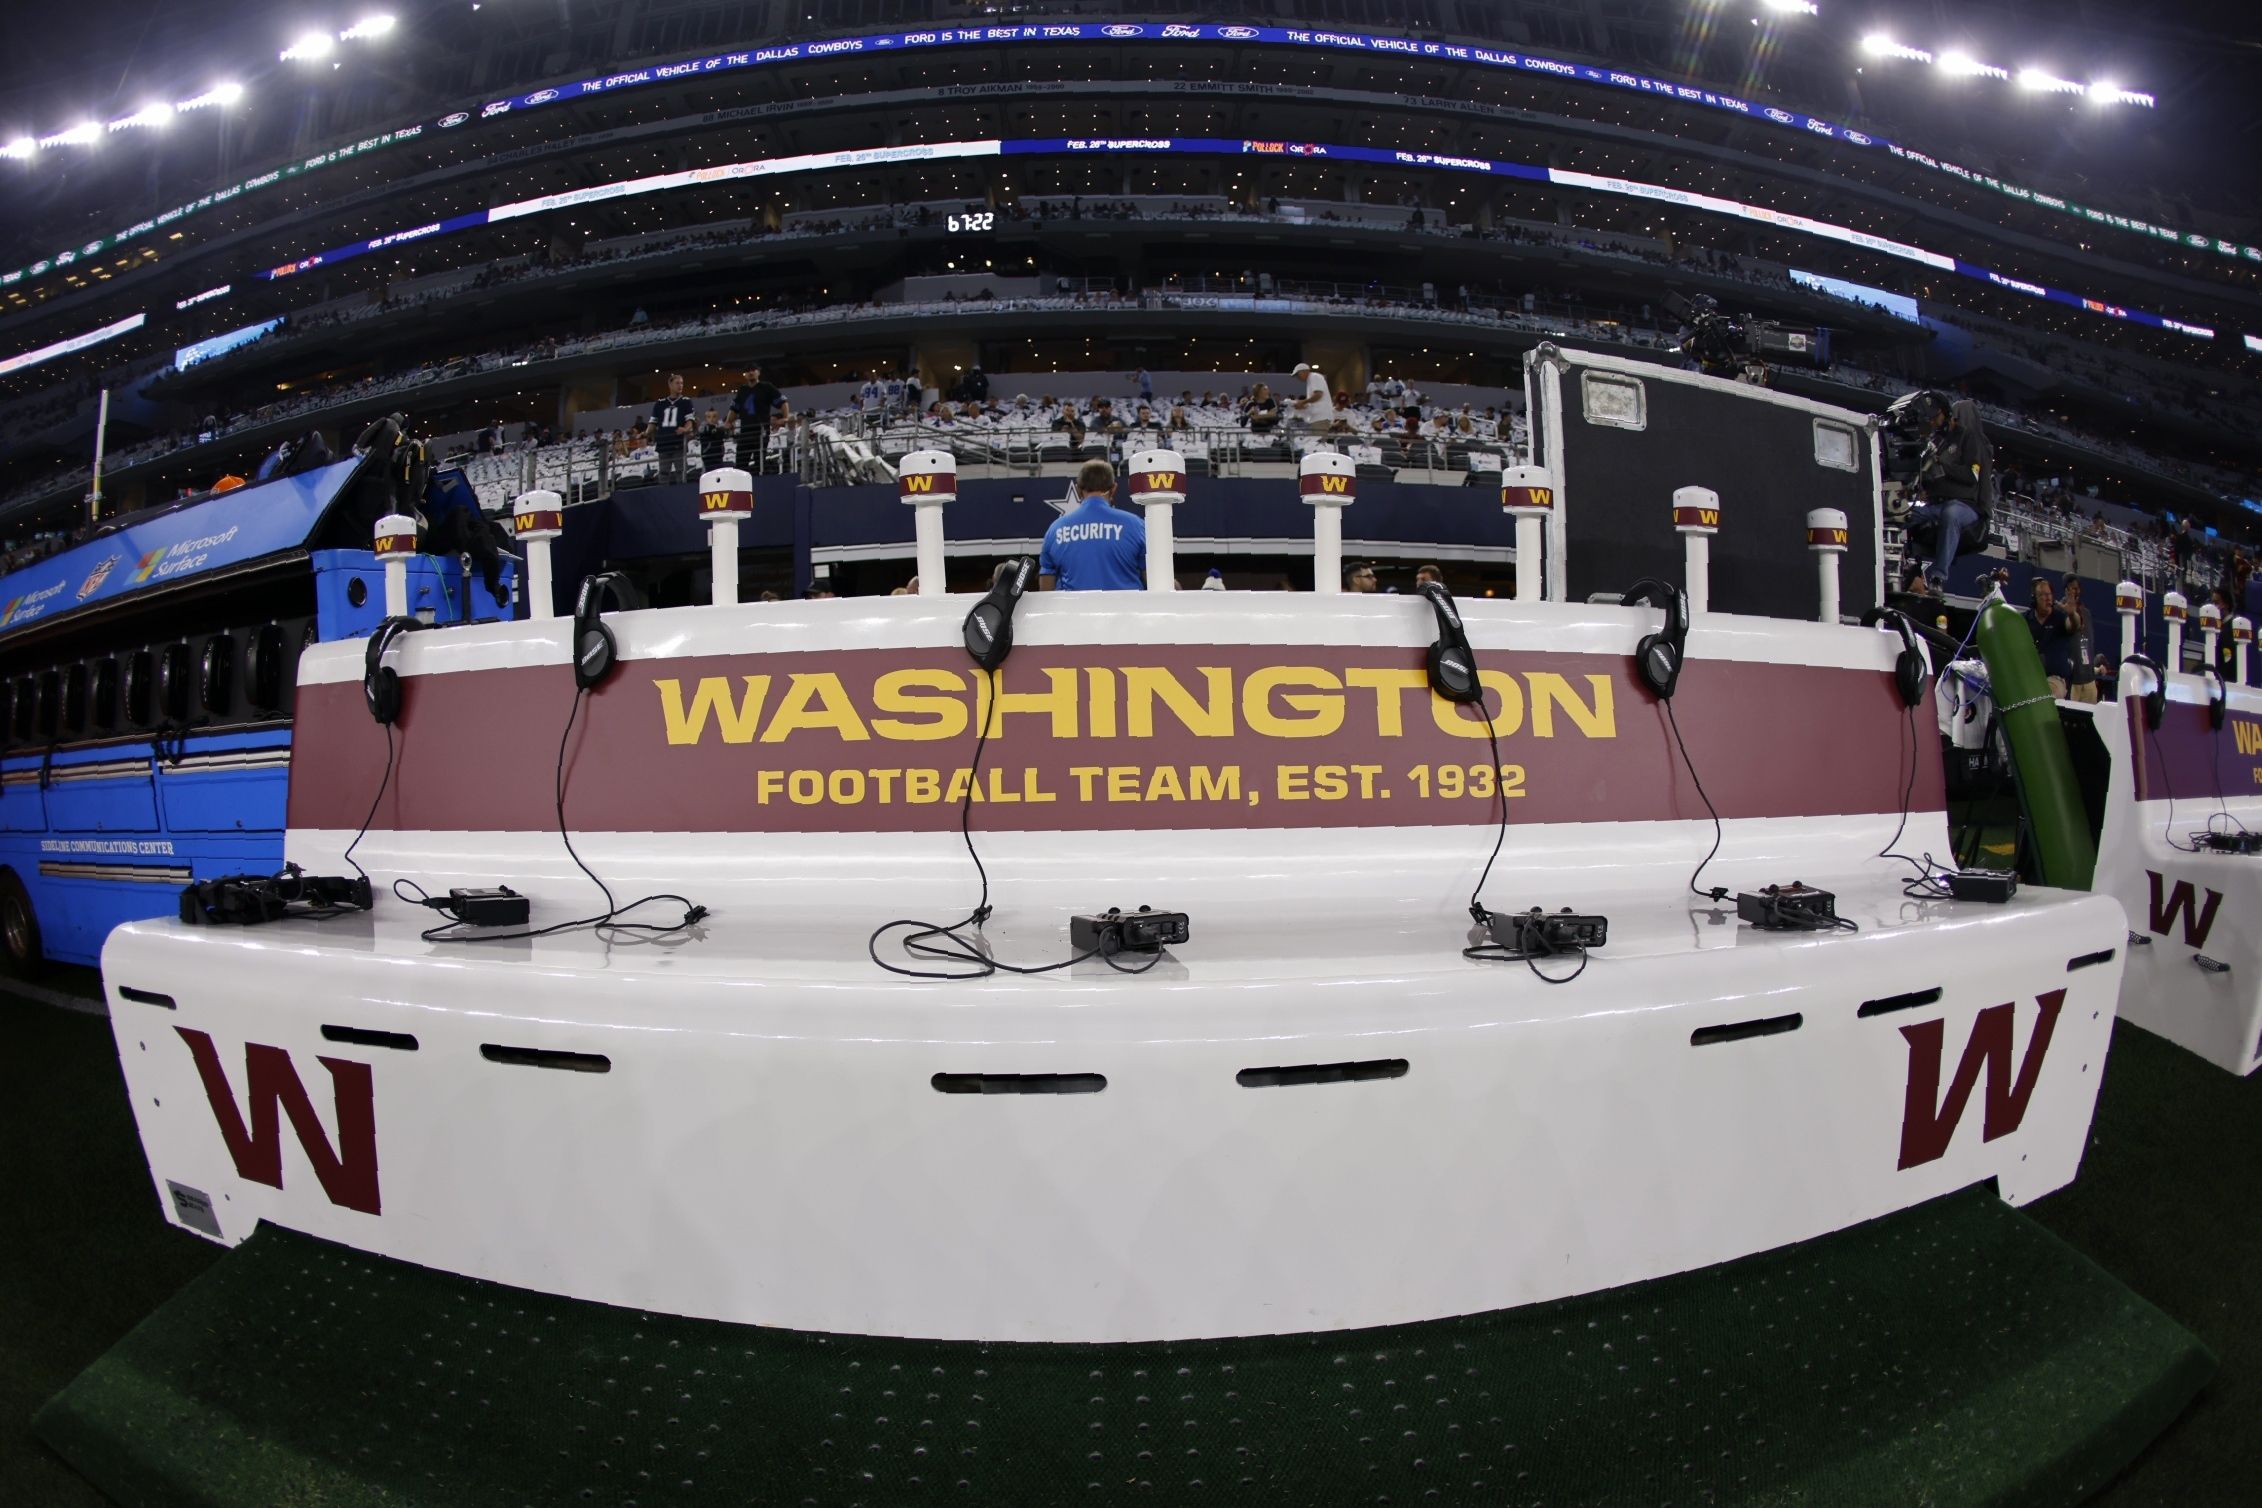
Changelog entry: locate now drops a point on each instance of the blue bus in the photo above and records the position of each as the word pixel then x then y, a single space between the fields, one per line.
pixel 146 684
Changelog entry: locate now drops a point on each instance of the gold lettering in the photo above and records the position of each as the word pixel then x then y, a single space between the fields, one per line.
pixel 1102 700
pixel 1084 775
pixel 1550 691
pixel 711 697
pixel 832 709
pixel 1221 784
pixel 1145 683
pixel 1163 784
pixel 893 692
pixel 1322 715
pixel 1463 722
pixel 1060 702
pixel 922 787
pixel 1389 687
pixel 1122 782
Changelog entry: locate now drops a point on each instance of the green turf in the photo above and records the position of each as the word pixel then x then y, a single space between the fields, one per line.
pixel 2170 1201
pixel 84 1252
pixel 1955 1353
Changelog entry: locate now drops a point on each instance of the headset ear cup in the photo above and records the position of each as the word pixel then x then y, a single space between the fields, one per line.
pixel 1452 674
pixel 382 690
pixel 594 650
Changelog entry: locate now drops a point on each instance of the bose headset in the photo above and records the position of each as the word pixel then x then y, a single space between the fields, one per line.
pixel 1452 664
pixel 1909 669
pixel 1659 656
pixel 2218 698
pixel 2156 699
pixel 989 623
pixel 595 650
pixel 380 682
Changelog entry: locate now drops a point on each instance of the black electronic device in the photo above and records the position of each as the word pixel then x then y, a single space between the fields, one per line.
pixel 1659 656
pixel 1795 907
pixel 1991 885
pixel 1117 931
pixel 2218 698
pixel 595 650
pixel 250 899
pixel 1720 343
pixel 1909 669
pixel 380 683
pixel 989 623
pixel 2241 842
pixel 173 670
pixel 499 907
pixel 263 668
pixel 216 675
pixel 1452 664
pixel 1538 934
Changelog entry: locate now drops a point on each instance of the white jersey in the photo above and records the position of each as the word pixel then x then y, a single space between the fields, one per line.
pixel 1319 404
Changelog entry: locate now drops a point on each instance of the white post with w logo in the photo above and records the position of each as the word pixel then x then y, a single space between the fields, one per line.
pixel 2128 601
pixel 1696 513
pixel 1329 481
pixel 1826 537
pixel 2174 609
pixel 726 496
pixel 396 542
pixel 1158 485
pixel 2242 639
pixel 1527 493
pixel 2211 632
pixel 927 480
pixel 536 519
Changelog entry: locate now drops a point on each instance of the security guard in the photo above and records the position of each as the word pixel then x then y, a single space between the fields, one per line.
pixel 1095 546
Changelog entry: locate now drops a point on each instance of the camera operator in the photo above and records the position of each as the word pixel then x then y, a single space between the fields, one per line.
pixel 1956 482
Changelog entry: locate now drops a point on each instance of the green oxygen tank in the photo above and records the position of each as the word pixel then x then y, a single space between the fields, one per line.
pixel 2052 799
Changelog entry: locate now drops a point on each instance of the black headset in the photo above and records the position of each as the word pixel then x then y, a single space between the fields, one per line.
pixel 989 624
pixel 2218 698
pixel 381 683
pixel 2156 699
pixel 1452 664
pixel 1658 657
pixel 595 650
pixel 1909 669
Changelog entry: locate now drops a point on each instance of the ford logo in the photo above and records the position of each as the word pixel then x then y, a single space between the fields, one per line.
pixel 1123 31
pixel 456 119
pixel 542 96
pixel 1237 33
pixel 1782 116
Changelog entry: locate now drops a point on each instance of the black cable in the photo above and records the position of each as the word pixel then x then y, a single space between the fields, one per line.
pixel 918 935
pixel 2167 827
pixel 1717 892
pixel 606 922
pixel 1532 945
pixel 371 815
pixel 1500 836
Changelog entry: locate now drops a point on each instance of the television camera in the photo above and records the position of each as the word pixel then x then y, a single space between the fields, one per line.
pixel 1742 346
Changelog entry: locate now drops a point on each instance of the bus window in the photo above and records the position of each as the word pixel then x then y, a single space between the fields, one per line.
pixel 50 704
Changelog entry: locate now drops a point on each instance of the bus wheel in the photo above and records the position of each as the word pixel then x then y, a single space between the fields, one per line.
pixel 19 929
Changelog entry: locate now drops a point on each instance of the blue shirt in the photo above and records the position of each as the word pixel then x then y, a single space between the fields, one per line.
pixel 1096 548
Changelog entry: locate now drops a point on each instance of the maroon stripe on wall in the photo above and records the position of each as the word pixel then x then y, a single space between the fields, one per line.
pixel 2189 760
pixel 477 750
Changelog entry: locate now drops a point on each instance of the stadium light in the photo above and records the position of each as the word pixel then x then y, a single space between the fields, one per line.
pixel 1963 65
pixel 78 136
pixel 1879 45
pixel 1792 6
pixel 21 148
pixel 218 94
pixel 313 45
pixel 366 27
pixel 2102 93
pixel 2044 83
pixel 159 114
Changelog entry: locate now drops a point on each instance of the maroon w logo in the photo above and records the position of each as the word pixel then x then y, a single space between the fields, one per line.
pixel 348 1173
pixel 1929 1122
pixel 2198 920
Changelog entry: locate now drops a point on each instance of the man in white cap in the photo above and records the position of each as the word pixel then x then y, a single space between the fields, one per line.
pixel 1317 407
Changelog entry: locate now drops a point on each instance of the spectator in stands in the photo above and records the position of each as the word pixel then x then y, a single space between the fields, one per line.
pixel 1095 546
pixel 2183 548
pixel 672 426
pixel 2056 633
pixel 754 406
pixel 1068 424
pixel 2082 681
pixel 1317 407
pixel 1105 420
pixel 1261 411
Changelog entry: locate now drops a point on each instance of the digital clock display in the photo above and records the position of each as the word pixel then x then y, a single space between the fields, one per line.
pixel 982 221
